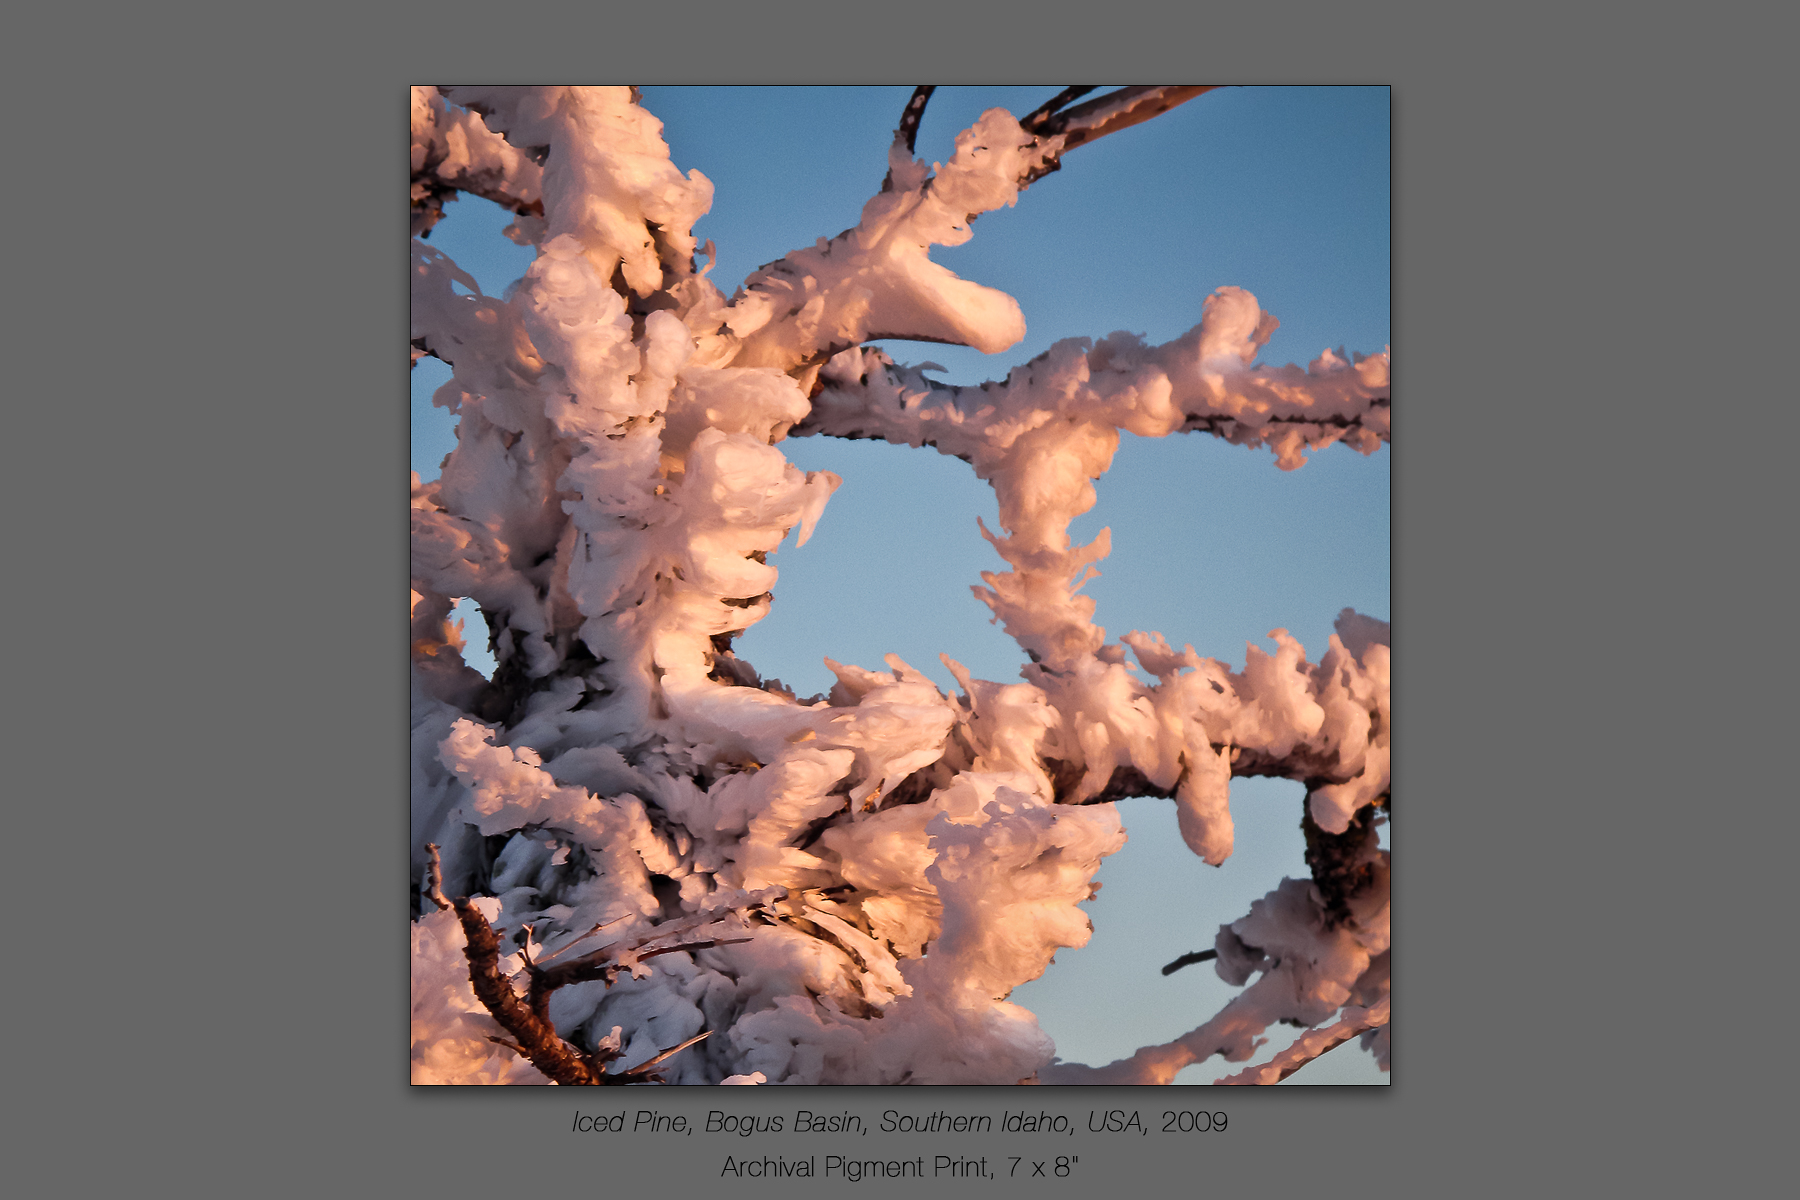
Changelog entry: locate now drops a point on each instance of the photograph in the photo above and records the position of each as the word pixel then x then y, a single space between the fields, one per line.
pixel 899 585
pixel 903 555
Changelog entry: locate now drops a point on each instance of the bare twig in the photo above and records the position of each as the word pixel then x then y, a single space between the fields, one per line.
pixel 908 133
pixel 1106 114
pixel 1033 121
pixel 643 1068
pixel 1188 960
pixel 913 114
pixel 433 185
pixel 1333 1044
pixel 801 352
pixel 567 946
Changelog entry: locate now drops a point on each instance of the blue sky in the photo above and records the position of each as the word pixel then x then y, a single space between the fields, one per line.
pixel 1281 191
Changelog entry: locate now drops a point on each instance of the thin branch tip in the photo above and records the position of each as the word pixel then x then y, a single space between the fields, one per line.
pixel 1034 121
pixel 907 134
pixel 914 112
pixel 434 879
pixel 1188 960
pixel 644 1067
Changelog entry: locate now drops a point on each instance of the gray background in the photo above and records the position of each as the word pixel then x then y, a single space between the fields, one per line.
pixel 208 442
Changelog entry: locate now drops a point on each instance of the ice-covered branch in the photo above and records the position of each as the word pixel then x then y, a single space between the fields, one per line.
pixel 1188 960
pixel 908 132
pixel 1208 379
pixel 1038 119
pixel 614 496
pixel 1106 114
pixel 877 280
pixel 1313 1043
pixel 452 151
pixel 1311 970
pixel 536 1037
pixel 1039 438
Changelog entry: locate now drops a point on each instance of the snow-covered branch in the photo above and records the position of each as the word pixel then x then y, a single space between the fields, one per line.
pixel 1315 1042
pixel 903 854
pixel 1311 968
pixel 1106 114
pixel 452 151
pixel 877 280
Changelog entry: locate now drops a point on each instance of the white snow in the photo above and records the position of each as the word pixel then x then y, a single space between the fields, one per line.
pixel 616 490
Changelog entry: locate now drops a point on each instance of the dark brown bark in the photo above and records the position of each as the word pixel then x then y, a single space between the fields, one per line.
pixel 914 112
pixel 527 1018
pixel 1342 864
pixel 1103 115
pixel 430 192
pixel 908 132
pixel 1039 117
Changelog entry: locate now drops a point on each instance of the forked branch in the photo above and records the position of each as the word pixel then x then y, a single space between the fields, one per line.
pixel 1313 1043
pixel 527 1017
pixel 1036 120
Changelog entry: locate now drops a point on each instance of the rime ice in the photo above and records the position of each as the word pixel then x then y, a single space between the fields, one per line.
pixel 616 491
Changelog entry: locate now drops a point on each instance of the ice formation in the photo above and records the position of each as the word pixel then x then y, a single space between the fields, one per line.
pixel 893 860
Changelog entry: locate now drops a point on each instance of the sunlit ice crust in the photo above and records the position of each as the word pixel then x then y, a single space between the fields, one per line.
pixel 898 859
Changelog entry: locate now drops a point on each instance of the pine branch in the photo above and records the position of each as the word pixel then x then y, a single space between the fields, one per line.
pixel 908 132
pixel 482 163
pixel 1310 1045
pixel 914 112
pixel 1035 120
pixel 1107 114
